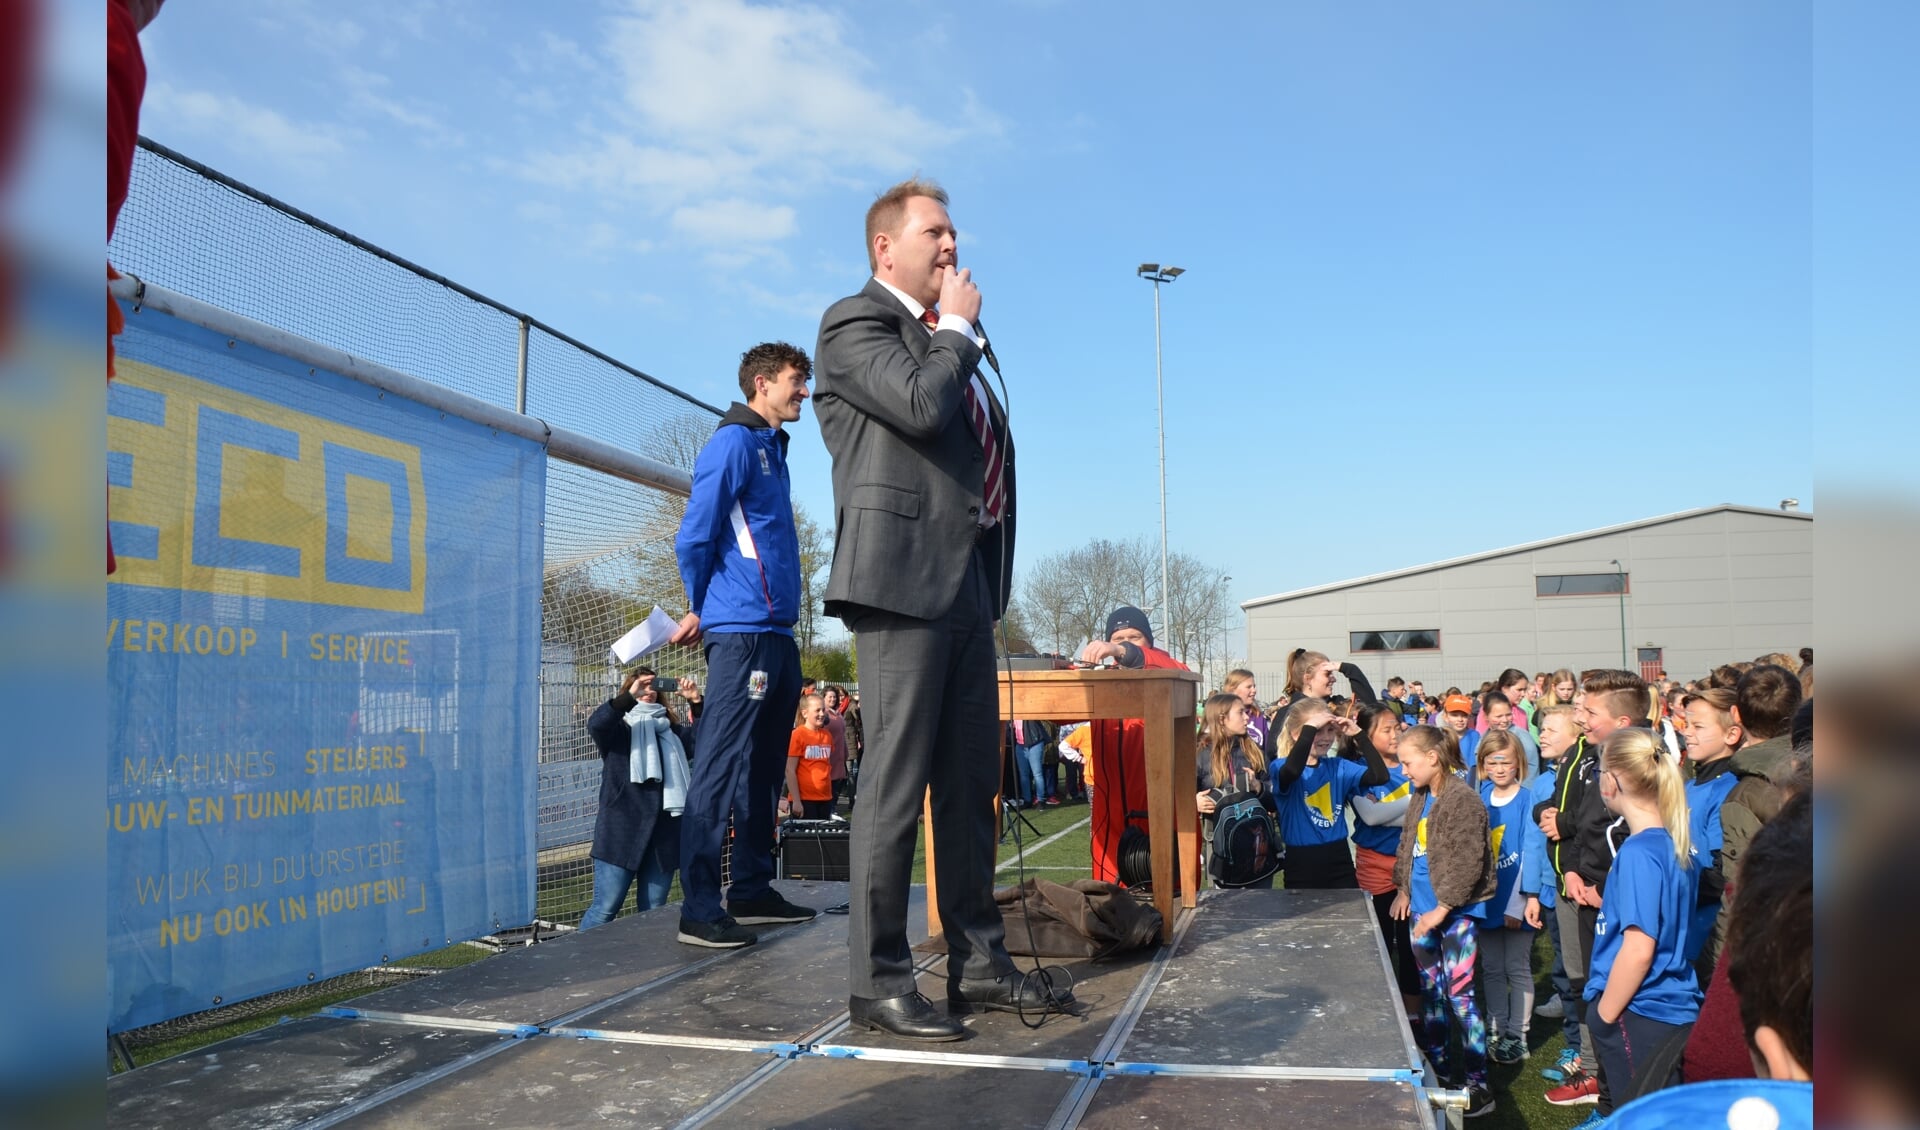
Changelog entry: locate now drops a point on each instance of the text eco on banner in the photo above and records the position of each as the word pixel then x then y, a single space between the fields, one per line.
pixel 323 643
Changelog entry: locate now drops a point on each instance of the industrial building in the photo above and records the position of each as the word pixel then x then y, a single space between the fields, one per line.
pixel 1679 593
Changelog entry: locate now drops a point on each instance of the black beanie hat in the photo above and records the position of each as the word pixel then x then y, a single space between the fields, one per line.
pixel 1127 616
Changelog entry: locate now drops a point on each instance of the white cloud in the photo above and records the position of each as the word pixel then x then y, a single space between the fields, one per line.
pixel 366 91
pixel 771 82
pixel 299 21
pixel 801 304
pixel 734 221
pixel 720 95
pixel 603 238
pixel 615 163
pixel 550 73
pixel 597 239
pixel 243 124
pixel 553 53
pixel 538 99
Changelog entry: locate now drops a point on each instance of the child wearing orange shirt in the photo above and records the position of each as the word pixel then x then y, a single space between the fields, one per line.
pixel 810 762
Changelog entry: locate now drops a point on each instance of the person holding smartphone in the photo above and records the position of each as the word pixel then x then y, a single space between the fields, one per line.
pixel 636 834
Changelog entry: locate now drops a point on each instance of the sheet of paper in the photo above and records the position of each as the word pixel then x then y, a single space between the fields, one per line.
pixel 647 637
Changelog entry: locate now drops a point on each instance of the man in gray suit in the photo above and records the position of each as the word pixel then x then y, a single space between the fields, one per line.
pixel 922 565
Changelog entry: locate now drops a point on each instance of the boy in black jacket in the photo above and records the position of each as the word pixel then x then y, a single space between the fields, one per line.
pixel 1576 824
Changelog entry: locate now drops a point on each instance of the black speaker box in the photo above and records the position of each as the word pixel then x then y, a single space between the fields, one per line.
pixel 815 849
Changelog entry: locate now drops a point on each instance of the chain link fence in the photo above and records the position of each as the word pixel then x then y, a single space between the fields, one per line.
pixel 608 542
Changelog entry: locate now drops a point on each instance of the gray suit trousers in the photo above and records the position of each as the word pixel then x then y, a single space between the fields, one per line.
pixel 932 719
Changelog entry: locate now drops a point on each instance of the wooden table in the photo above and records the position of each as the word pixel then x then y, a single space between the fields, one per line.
pixel 1164 699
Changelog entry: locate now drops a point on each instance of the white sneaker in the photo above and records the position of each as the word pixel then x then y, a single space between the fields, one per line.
pixel 1551 1008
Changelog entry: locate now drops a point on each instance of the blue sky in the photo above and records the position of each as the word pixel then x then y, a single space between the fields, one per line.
pixel 1460 276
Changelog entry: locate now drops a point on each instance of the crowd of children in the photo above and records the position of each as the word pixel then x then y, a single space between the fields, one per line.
pixel 1658 835
pixel 1609 813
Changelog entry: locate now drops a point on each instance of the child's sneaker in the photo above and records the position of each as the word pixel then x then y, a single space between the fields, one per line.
pixel 1592 1121
pixel 1480 1101
pixel 1511 1049
pixel 1564 1068
pixel 1577 1090
pixel 1551 1009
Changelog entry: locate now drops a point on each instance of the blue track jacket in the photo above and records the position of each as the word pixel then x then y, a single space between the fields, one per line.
pixel 739 555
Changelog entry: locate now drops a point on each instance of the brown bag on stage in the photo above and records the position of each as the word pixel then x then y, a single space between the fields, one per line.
pixel 1087 919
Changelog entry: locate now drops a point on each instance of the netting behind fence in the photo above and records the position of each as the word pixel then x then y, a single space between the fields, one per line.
pixel 608 543
pixel 589 601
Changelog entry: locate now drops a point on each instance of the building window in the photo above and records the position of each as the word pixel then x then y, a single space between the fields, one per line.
pixel 1581 584
pixel 1414 639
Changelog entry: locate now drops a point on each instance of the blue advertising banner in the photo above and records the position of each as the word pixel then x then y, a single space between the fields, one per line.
pixel 323 644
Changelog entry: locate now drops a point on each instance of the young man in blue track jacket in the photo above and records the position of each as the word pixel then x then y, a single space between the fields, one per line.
pixel 740 560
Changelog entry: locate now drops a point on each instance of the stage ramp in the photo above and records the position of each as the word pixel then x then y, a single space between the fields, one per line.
pixel 1267 1005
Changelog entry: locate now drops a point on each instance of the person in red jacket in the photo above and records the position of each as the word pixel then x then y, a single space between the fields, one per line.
pixel 1120 747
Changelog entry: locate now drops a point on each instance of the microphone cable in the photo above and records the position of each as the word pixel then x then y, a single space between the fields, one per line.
pixel 1056 982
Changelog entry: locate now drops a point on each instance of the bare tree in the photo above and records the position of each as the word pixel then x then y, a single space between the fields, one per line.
pixel 1069 594
pixel 816 553
pixel 677 441
pixel 1014 631
pixel 1049 601
pixel 1201 609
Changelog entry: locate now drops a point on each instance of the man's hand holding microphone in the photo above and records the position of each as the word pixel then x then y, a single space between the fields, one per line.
pixel 958 295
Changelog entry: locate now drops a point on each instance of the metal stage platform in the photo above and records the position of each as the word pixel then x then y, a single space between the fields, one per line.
pixel 1267 1005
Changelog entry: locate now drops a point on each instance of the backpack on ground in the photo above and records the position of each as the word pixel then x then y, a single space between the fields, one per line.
pixel 1246 842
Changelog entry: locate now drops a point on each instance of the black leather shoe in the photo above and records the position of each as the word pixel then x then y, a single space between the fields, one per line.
pixel 1012 991
pixel 911 1017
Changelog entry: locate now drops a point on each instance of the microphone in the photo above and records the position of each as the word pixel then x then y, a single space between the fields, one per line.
pixel 986 347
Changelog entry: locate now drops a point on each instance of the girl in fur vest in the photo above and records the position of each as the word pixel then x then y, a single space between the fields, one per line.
pixel 1445 875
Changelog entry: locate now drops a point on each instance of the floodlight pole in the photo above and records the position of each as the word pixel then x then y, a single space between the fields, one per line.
pixel 1620 571
pixel 1157 274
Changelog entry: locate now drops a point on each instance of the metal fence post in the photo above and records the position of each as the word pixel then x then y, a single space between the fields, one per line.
pixel 520 378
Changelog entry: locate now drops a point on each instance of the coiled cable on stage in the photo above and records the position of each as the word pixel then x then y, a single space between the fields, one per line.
pixel 1136 859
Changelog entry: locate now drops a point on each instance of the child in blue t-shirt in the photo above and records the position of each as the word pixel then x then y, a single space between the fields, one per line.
pixel 1312 786
pixel 1642 995
pixel 1713 734
pixel 1506 941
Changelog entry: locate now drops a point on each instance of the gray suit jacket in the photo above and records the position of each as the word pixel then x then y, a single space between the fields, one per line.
pixel 908 472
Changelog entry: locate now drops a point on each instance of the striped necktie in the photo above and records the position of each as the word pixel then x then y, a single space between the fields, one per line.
pixel 995 496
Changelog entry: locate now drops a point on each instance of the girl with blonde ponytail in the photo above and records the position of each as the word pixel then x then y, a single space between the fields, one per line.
pixel 1641 990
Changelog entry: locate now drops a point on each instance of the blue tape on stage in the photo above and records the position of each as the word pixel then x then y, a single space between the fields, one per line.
pixel 323 647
